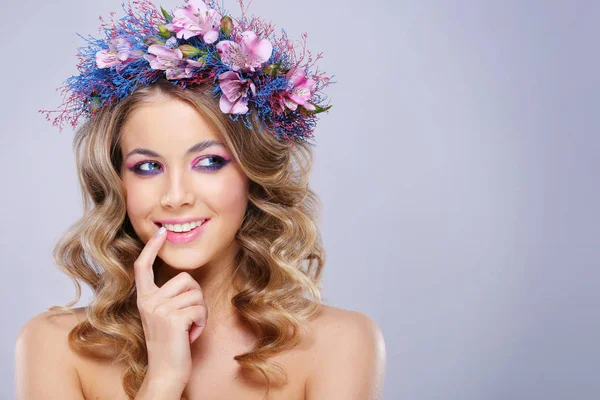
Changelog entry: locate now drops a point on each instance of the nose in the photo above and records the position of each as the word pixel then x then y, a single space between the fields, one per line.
pixel 178 192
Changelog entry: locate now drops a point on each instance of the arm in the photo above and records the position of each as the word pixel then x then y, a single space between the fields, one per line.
pixel 151 390
pixel 349 361
pixel 43 362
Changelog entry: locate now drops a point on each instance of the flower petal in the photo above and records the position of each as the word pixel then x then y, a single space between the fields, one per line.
pixel 232 89
pixel 164 52
pixel 228 75
pixel 211 37
pixel 199 6
pixel 154 62
pixel 105 59
pixel 186 13
pixel 195 64
pixel 225 49
pixel 309 106
pixel 296 76
pixel 290 104
pixel 259 50
pixel 263 51
pixel 238 107
pixel 187 33
pixel 225 105
pixel 178 72
pixel 300 95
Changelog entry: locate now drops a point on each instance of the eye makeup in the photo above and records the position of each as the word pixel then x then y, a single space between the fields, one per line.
pixel 213 163
pixel 205 163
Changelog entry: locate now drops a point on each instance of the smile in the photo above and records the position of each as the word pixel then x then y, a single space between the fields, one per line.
pixel 185 233
pixel 184 227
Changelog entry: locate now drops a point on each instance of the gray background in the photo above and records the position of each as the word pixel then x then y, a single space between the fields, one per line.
pixel 458 170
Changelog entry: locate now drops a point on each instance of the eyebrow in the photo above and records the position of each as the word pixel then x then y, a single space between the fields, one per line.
pixel 198 147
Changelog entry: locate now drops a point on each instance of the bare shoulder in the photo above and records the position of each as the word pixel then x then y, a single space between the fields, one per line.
pixel 337 326
pixel 348 346
pixel 49 330
pixel 333 319
pixel 45 363
pixel 53 322
pixel 51 326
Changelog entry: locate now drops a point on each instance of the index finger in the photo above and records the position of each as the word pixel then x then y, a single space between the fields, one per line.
pixel 144 275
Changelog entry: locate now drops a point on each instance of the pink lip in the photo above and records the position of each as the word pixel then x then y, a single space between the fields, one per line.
pixel 186 237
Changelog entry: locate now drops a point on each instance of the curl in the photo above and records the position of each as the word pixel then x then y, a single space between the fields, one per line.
pixel 277 271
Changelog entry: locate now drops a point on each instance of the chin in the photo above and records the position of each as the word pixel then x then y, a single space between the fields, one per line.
pixel 185 260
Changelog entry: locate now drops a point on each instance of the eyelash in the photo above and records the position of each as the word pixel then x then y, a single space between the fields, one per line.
pixel 221 163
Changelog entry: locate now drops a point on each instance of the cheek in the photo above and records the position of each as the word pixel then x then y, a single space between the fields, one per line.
pixel 230 197
pixel 139 200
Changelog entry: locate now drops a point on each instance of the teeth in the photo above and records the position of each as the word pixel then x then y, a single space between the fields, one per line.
pixel 183 227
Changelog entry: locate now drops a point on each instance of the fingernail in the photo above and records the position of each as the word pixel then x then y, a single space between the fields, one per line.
pixel 160 231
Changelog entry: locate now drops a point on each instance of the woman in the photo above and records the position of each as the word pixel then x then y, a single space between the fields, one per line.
pixel 199 236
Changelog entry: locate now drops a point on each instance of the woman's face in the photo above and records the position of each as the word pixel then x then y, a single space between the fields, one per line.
pixel 175 169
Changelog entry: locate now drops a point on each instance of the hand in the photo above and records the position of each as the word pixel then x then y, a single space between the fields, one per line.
pixel 173 316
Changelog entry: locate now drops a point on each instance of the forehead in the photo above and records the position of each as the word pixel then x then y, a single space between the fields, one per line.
pixel 166 123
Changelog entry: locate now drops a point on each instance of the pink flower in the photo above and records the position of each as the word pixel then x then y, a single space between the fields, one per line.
pixel 234 99
pixel 118 55
pixel 196 20
pixel 299 90
pixel 172 61
pixel 247 55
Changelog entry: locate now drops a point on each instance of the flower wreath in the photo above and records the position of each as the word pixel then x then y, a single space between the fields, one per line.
pixel 249 67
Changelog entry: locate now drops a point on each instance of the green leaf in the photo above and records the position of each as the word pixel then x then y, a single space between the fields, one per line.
pixel 165 14
pixel 318 109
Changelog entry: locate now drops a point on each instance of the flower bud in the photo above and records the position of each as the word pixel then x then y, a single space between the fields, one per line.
pixel 153 40
pixel 226 25
pixel 191 51
pixel 163 32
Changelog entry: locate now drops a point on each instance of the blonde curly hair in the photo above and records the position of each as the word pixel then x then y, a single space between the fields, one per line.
pixel 278 268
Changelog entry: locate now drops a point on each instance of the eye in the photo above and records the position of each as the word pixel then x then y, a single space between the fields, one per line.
pixel 146 168
pixel 211 163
